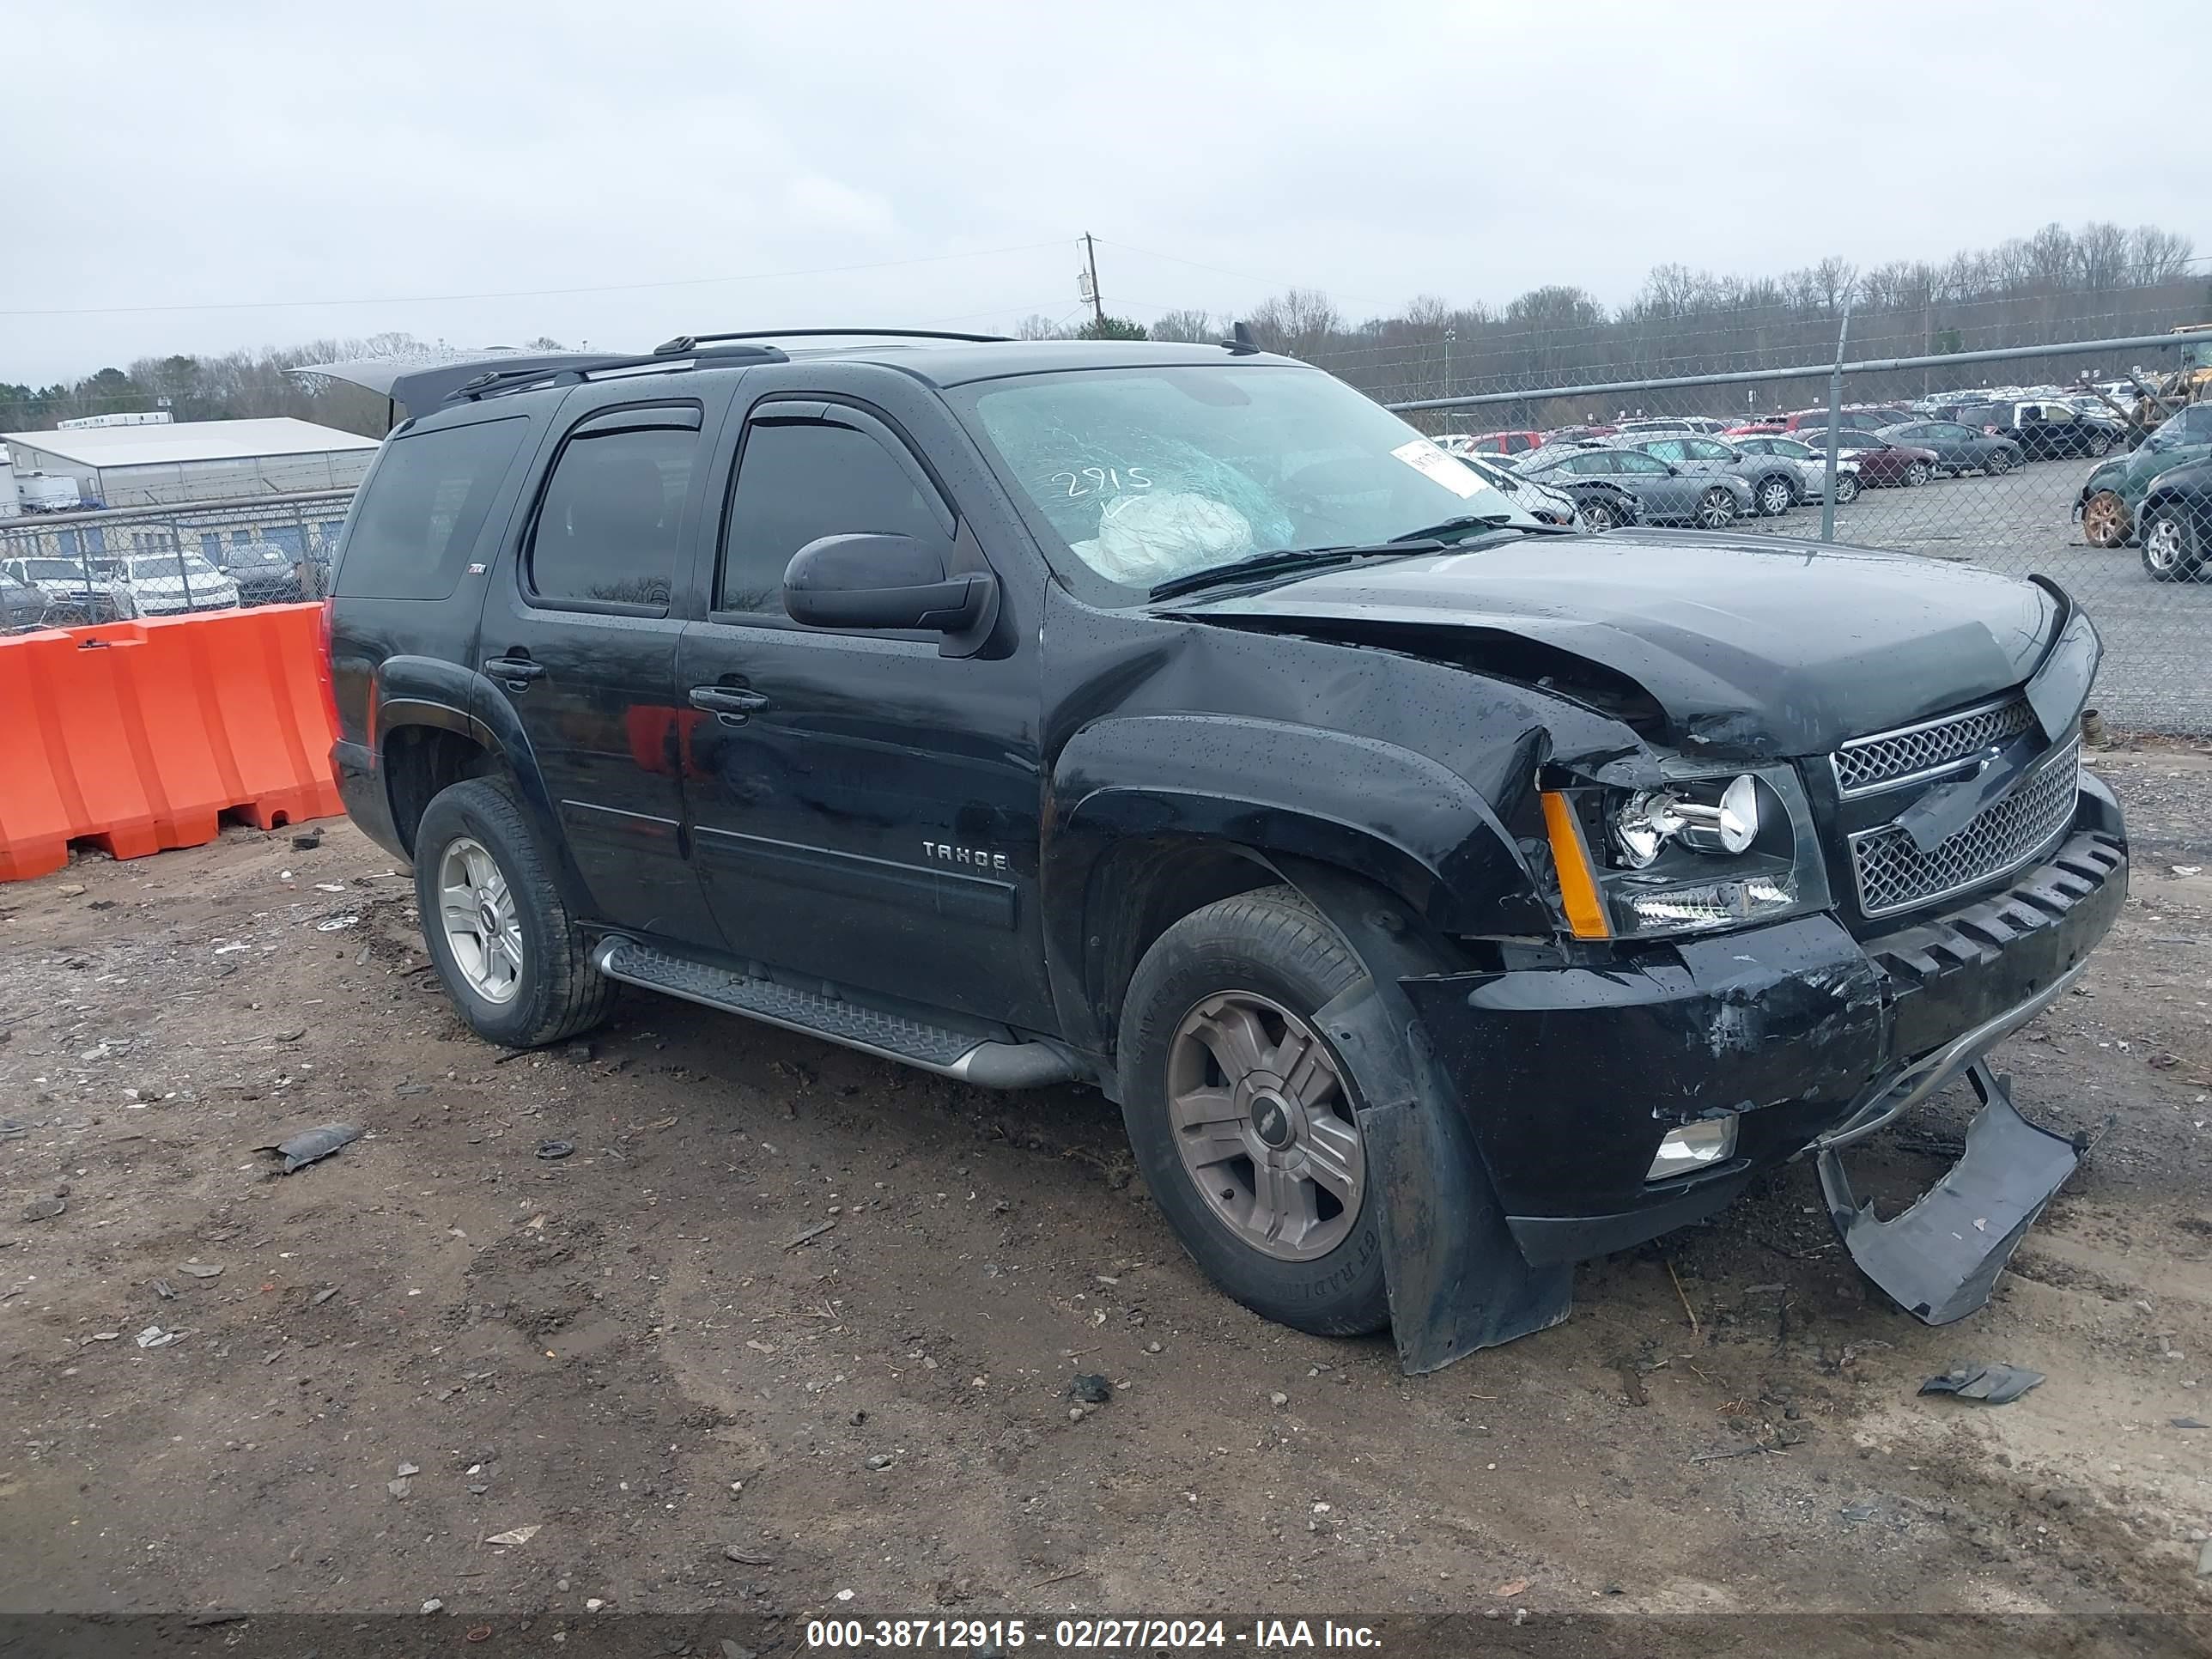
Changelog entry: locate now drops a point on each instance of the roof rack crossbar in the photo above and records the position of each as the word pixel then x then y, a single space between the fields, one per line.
pixel 497 382
pixel 684 342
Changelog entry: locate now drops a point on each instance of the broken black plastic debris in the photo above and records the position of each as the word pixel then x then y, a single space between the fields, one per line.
pixel 1993 1385
pixel 309 1144
pixel 553 1149
pixel 1091 1389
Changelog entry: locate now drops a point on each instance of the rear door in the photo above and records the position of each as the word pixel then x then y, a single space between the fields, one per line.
pixel 864 808
pixel 580 636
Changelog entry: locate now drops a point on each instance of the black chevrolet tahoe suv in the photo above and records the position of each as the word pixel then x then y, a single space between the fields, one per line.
pixel 1444 897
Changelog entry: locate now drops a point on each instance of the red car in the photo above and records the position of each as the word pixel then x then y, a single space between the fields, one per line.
pixel 1755 429
pixel 1881 461
pixel 1506 443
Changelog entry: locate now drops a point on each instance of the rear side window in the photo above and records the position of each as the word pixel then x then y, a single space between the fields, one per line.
pixel 425 507
pixel 799 481
pixel 606 530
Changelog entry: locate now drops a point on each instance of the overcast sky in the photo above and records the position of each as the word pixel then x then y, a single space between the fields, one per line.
pixel 201 178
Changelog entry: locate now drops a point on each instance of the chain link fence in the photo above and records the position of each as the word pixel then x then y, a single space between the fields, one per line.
pixel 2027 460
pixel 62 570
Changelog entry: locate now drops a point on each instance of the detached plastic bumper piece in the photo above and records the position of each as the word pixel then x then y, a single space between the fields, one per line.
pixel 1940 1259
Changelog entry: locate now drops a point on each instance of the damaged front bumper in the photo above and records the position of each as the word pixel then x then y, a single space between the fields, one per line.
pixel 1570 1076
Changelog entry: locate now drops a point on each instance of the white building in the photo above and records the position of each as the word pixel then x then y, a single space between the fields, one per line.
pixel 195 460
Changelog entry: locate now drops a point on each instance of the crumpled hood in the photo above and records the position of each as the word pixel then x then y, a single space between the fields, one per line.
pixel 1753 645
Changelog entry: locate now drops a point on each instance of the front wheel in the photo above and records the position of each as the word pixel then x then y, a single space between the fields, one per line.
pixel 1998 464
pixel 1244 1120
pixel 2173 545
pixel 500 933
pixel 1917 474
pixel 1847 488
pixel 1600 515
pixel 1775 496
pixel 2100 444
pixel 2105 520
pixel 1716 509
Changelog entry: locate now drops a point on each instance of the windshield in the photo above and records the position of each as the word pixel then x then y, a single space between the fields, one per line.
pixel 1148 474
pixel 256 553
pixel 55 570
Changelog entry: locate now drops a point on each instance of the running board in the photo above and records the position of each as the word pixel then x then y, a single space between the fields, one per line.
pixel 970 1056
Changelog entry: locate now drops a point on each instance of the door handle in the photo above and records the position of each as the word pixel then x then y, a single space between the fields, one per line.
pixel 516 671
pixel 728 703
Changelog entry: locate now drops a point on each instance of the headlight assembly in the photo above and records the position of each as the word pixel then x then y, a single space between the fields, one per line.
pixel 1696 855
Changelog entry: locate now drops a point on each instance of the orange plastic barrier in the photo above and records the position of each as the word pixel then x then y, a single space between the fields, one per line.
pixel 138 736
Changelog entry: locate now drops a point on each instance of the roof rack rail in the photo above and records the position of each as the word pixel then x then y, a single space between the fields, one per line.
pixel 497 382
pixel 685 343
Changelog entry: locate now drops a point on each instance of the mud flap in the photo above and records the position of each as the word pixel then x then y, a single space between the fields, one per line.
pixel 1939 1260
pixel 1457 1280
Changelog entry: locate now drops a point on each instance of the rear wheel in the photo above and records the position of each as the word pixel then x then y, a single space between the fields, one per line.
pixel 1244 1119
pixel 508 952
pixel 2105 520
pixel 2173 545
pixel 1774 496
pixel 1716 509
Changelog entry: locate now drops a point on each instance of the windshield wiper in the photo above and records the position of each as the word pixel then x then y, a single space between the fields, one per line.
pixel 1485 522
pixel 1285 559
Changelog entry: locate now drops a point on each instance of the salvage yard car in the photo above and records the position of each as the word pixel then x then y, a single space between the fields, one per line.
pixel 1664 493
pixel 2110 504
pixel 1445 897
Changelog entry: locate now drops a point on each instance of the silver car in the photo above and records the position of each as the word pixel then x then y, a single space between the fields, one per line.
pixel 1776 485
pixel 172 584
pixel 1667 494
pixel 75 592
pixel 1812 465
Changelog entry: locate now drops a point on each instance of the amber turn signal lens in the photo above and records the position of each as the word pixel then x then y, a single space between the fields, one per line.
pixel 1570 857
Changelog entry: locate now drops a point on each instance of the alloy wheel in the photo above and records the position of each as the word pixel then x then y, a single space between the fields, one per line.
pixel 477 911
pixel 1264 1125
pixel 2163 546
pixel 1716 508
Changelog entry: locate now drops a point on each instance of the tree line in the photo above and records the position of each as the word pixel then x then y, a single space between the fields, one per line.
pixel 2099 280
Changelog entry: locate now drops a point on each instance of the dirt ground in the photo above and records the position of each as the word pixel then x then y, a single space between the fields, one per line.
pixel 792 1322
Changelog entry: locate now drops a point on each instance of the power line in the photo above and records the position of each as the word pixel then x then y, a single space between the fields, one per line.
pixel 526 293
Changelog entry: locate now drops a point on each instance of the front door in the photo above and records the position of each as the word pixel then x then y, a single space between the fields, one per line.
pixel 864 809
pixel 581 638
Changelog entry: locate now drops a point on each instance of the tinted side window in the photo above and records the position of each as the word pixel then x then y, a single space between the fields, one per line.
pixel 1667 449
pixel 606 530
pixel 1631 460
pixel 799 481
pixel 1704 449
pixel 422 509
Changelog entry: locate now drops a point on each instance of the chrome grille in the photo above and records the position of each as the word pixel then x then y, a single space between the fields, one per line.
pixel 1893 874
pixel 1875 763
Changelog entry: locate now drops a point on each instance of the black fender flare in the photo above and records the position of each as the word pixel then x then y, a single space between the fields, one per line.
pixel 1457 1280
pixel 1270 790
pixel 416 691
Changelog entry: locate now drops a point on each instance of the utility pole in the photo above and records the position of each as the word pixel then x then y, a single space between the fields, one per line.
pixel 1451 333
pixel 1090 260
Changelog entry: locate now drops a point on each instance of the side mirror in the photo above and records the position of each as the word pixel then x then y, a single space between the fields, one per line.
pixel 879 581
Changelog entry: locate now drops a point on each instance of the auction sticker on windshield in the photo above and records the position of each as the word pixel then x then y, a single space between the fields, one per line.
pixel 1430 462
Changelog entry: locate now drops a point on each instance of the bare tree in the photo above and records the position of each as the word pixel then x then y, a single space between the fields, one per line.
pixel 1197 328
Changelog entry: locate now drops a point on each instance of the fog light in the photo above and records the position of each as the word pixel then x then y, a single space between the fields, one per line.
pixel 1694 1145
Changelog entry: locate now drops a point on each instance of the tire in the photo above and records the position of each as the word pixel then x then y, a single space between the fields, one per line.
pixel 2105 520
pixel 1917 474
pixel 2173 545
pixel 1599 514
pixel 2100 444
pixel 1716 509
pixel 1254 964
pixel 1773 496
pixel 1999 463
pixel 1847 487
pixel 536 985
